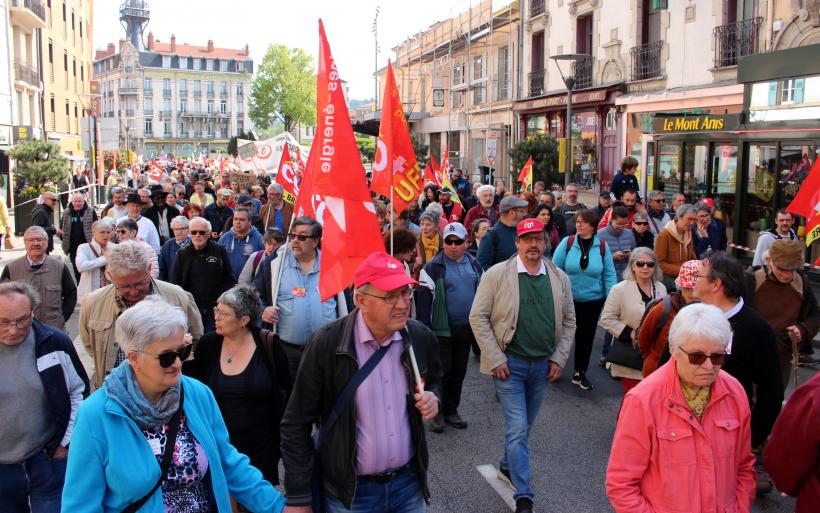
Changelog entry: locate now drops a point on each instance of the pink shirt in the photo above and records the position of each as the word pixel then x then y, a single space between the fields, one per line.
pixel 383 439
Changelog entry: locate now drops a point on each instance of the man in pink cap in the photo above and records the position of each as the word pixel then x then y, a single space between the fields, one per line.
pixel 374 456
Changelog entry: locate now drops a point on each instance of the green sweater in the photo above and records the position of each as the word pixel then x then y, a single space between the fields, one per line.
pixel 535 329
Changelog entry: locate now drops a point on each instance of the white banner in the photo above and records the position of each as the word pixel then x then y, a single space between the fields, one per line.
pixel 265 155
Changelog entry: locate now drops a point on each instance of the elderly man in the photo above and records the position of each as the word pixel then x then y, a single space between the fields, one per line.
pixel 145 196
pixel 678 199
pixel 128 272
pixel 277 213
pixel 168 254
pixel 219 213
pixel 486 208
pixel 498 243
pixel 76 225
pixel 203 268
pixel 43 216
pixel 570 207
pixel 366 466
pixel 242 240
pixel 49 276
pixel 524 321
pixel 658 216
pixel 160 213
pixel 146 229
pixel 42 383
pixel 708 233
pixel 116 209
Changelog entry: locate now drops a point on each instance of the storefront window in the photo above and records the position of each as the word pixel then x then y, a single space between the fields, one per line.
pixel 724 182
pixel 795 163
pixel 585 149
pixel 694 176
pixel 667 178
pixel 536 125
pixel 761 190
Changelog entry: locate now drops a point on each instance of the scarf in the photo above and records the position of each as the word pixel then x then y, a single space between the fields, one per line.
pixel 431 246
pixel 122 387
pixel 696 398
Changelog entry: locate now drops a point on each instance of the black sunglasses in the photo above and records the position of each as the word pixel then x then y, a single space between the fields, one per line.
pixel 650 265
pixel 168 358
pixel 299 237
pixel 454 242
pixel 640 223
pixel 198 232
pixel 699 358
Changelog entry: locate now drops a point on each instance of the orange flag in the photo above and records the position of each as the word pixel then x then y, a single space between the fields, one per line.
pixel 351 232
pixel 286 177
pixel 432 176
pixel 395 164
pixel 806 203
pixel 525 177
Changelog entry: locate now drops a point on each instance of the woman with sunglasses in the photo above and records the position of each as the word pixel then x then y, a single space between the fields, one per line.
pixel 683 439
pixel 644 238
pixel 150 435
pixel 127 229
pixel 624 310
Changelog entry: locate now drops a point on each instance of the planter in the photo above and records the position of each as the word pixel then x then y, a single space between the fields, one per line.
pixel 22 216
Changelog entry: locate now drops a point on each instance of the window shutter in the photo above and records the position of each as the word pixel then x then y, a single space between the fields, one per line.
pixel 798 89
pixel 773 92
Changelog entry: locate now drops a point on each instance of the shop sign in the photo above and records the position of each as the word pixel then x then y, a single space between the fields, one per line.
pixel 23 133
pixel 561 100
pixel 700 123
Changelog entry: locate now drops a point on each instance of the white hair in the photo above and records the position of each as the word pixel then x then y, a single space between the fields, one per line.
pixel 197 218
pixel 700 321
pixel 148 321
pixel 180 221
pixel 129 256
pixel 485 188
pixel 105 222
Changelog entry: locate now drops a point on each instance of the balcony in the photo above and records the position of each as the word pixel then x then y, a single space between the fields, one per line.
pixel 166 113
pixel 30 14
pixel 223 93
pixel 537 82
pixel 129 113
pixel 736 40
pixel 197 93
pixel 197 135
pixel 536 8
pixel 166 93
pixel 582 71
pixel 128 88
pixel 26 74
pixel 240 94
pixel 148 91
pixel 211 93
pixel 646 61
pixel 183 93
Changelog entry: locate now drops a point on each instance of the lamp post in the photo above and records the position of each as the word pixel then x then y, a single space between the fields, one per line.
pixel 569 82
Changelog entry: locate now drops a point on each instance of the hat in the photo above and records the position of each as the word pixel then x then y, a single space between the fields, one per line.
pixel 787 254
pixel 243 199
pixel 688 274
pixel 531 225
pixel 383 272
pixel 446 190
pixel 132 197
pixel 455 230
pixel 511 202
pixel 157 190
pixel 709 202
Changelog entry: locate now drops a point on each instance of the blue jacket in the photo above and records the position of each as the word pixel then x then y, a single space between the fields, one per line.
pixel 111 465
pixel 240 249
pixel 167 255
pixel 715 240
pixel 596 280
pixel 431 302
pixel 64 380
pixel 498 246
pixel 621 182
pixel 623 242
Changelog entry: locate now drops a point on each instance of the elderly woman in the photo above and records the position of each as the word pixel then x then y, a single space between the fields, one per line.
pixel 153 439
pixel 272 239
pixel 644 238
pixel 247 371
pixel 127 229
pixel 430 241
pixel 180 226
pixel 624 309
pixel 92 258
pixel 683 439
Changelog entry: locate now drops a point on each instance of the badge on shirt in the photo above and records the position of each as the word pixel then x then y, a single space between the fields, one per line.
pixel 298 291
pixel 248 249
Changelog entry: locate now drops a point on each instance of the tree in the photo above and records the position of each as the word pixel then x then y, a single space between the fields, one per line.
pixel 285 88
pixel 37 163
pixel 544 151
pixel 367 147
pixel 122 159
pixel 422 152
pixel 233 143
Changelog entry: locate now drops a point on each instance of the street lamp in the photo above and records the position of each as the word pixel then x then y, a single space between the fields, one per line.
pixel 569 82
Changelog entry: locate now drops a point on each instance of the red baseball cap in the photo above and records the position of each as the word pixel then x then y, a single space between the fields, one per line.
pixel 709 202
pixel 531 225
pixel 383 272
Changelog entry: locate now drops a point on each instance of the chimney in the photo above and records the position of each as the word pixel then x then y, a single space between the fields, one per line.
pixel 210 45
pixel 150 41
pixel 173 43
pixel 247 50
pixel 110 49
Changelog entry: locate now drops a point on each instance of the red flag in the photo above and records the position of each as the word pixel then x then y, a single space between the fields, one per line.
pixel 351 232
pixel 525 177
pixel 395 164
pixel 806 203
pixel 286 177
pixel 432 176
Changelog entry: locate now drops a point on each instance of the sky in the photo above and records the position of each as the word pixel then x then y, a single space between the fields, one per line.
pixel 259 23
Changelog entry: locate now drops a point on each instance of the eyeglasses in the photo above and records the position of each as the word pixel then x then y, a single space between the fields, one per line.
pixel 391 299
pixel 140 285
pixel 219 314
pixel 18 323
pixel 640 223
pixel 454 242
pixel 299 237
pixel 198 232
pixel 39 240
pixel 650 265
pixel 698 358
pixel 168 358
pixel 122 231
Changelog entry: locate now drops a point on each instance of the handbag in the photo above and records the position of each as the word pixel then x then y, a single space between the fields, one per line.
pixel 623 353
pixel 173 429
pixel 317 490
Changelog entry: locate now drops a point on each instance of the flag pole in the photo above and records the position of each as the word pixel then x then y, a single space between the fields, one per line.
pixel 393 208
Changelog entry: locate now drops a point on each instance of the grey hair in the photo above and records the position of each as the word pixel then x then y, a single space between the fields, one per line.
pixel 36 229
pixel 640 216
pixel 127 257
pixel 276 187
pixel 430 216
pixel 656 193
pixel 629 273
pixel 435 208
pixel 485 188
pixel 180 221
pixel 148 321
pixel 684 209
pixel 106 222
pixel 129 224
pixel 224 192
pixel 313 224
pixel 244 300
pixel 197 218
pixel 703 207
pixel 700 321
pixel 16 287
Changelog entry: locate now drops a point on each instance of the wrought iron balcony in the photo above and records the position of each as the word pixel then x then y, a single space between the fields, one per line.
pixel 536 8
pixel 30 7
pixel 166 93
pixel 25 73
pixel 197 93
pixel 646 61
pixel 537 82
pixel 736 40
pixel 582 71
pixel 210 93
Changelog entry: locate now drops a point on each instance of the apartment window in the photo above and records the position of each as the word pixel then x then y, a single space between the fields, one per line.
pixel 72 20
pixel 240 126
pixel 183 62
pixel 478 67
pixel 183 87
pixel 166 61
pixel 786 92
pixel 149 106
pixel 223 107
pixel 167 128
pixel 53 107
pixel 76 119
pixel 503 73
pixel 457 100
pixel 65 11
pixel 183 106
pixel 147 85
pixel 50 51
pixel 209 64
pixel 240 91
pixel 239 66
pixel 458 74
pixel 65 62
pixel 166 105
pixel 223 88
pixel 81 28
pixel 149 127
pixel 223 65
pixel 197 64
pixel 74 67
pixel 210 107
pixel 211 87
pixel 82 72
pixel 659 4
pixel 182 131
pixel 166 85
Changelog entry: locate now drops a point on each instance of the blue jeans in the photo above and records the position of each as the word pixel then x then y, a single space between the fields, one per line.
pixel 207 315
pixel 607 343
pixel 401 495
pixel 520 397
pixel 37 481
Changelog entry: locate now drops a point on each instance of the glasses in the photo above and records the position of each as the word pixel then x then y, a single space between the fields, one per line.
pixel 650 265
pixel 180 228
pixel 198 232
pixel 168 358
pixel 49 199
pixel 453 242
pixel 219 314
pixel 141 285
pixel 18 323
pixel 122 231
pixel 299 237
pixel 640 223
pixel 698 358
pixel 35 239
pixel 657 200
pixel 393 298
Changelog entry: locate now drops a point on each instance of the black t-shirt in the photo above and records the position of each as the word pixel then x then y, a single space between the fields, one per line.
pixel 204 268
pixel 77 236
pixel 244 399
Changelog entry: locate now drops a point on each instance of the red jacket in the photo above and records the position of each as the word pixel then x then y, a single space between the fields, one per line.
pixel 664 460
pixel 792 455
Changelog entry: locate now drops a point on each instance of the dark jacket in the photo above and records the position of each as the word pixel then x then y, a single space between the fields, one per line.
pixel 431 302
pixel 497 245
pixel 152 213
pixel 715 239
pixel 621 182
pixel 89 216
pixel 328 364
pixel 262 280
pixel 221 277
pixel 43 215
pixel 218 216
pixel 647 240
pixel 167 256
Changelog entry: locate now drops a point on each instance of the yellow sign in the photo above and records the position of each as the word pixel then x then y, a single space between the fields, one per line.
pixel 562 155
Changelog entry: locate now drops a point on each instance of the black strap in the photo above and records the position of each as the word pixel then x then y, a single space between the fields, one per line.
pixel 347 394
pixel 167 455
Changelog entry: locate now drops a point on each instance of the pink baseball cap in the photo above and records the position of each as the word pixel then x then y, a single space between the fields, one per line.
pixel 383 272
pixel 531 225
pixel 688 274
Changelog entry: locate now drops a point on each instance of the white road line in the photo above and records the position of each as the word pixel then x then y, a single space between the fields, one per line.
pixel 490 474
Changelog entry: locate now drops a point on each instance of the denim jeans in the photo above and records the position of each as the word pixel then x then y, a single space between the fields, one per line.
pixel 208 323
pixel 401 495
pixel 37 481
pixel 520 397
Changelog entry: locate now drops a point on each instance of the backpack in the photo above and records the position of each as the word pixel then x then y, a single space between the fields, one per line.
pixel 602 245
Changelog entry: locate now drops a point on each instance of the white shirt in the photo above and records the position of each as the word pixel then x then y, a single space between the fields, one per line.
pixel 729 314
pixel 523 269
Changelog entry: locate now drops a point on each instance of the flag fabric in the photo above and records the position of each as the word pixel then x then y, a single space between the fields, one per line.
pixel 444 179
pixel 286 177
pixel 806 203
pixel 525 177
pixel 351 232
pixel 432 176
pixel 395 164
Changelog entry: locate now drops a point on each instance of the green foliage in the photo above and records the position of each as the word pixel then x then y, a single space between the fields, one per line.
pixel 122 159
pixel 285 87
pixel 38 163
pixel 422 152
pixel 544 151
pixel 233 143
pixel 367 147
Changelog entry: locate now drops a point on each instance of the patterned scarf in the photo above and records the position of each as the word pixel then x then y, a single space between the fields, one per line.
pixel 121 386
pixel 696 398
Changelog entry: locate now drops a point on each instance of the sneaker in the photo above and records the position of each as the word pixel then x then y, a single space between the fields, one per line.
pixel 504 475
pixel 582 381
pixel 806 360
pixel 523 505
pixel 455 421
pixel 437 424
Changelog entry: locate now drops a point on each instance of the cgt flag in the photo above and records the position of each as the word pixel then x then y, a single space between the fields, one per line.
pixel 395 165
pixel 526 174
pixel 351 232
pixel 806 203
pixel 286 177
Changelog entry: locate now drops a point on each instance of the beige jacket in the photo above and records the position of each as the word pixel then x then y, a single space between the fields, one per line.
pixel 673 250
pixel 98 315
pixel 494 314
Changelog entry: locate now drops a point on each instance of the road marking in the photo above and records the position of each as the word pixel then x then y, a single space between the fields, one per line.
pixel 490 474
